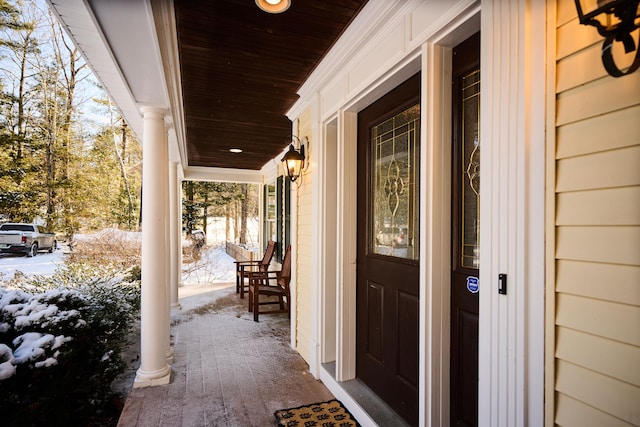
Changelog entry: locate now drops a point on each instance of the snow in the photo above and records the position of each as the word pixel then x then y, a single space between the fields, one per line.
pixel 12 296
pixel 44 264
pixel 7 365
pixel 214 266
pixel 131 236
pixel 49 361
pixel 59 340
pixel 7 369
pixel 31 346
pixel 33 313
pixel 34 345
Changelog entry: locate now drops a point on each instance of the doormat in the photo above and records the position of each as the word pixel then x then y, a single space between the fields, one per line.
pixel 325 414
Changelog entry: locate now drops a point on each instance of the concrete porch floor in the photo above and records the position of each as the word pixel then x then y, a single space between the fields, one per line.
pixel 228 370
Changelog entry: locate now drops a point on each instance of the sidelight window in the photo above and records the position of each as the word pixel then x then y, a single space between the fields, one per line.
pixel 470 253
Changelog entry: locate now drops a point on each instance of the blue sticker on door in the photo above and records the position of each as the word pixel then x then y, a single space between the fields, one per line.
pixel 472 284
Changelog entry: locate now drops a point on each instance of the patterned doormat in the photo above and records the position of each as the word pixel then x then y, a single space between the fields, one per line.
pixel 325 414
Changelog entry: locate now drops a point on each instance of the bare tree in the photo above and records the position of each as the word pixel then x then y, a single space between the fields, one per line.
pixel 120 155
pixel 70 64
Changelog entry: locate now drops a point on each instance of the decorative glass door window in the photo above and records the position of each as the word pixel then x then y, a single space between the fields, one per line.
pixel 470 238
pixel 394 205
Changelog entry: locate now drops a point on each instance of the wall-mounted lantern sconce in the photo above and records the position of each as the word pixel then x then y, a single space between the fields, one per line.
pixel 615 20
pixel 293 160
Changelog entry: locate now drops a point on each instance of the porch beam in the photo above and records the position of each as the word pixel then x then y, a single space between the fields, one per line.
pixel 199 173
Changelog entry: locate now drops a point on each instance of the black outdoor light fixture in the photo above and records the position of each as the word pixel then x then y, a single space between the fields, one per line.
pixel 615 20
pixel 293 160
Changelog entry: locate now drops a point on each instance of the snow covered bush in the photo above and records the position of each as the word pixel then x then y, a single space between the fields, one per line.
pixel 61 338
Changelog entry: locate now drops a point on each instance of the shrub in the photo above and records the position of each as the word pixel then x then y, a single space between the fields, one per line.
pixel 108 247
pixel 61 340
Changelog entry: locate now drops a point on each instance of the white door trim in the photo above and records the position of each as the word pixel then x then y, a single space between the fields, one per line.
pixel 346 246
pixel 435 203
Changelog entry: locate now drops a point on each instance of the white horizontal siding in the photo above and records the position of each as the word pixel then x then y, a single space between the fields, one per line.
pixel 304 248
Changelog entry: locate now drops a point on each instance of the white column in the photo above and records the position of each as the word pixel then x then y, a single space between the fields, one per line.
pixel 154 323
pixel 165 254
pixel 174 234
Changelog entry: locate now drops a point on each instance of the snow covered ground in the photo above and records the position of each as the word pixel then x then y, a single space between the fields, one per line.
pixel 43 264
pixel 214 266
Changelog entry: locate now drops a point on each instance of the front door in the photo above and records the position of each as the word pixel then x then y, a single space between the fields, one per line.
pixel 465 232
pixel 387 265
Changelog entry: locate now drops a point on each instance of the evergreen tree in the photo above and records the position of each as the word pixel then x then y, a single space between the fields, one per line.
pixel 20 198
pixel 203 200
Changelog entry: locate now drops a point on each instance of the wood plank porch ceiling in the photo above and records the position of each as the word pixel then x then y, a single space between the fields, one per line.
pixel 241 68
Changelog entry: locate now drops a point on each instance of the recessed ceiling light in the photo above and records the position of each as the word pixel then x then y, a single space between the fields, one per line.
pixel 235 150
pixel 273 6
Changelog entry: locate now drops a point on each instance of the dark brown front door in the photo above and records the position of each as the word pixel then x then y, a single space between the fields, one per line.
pixel 465 233
pixel 388 236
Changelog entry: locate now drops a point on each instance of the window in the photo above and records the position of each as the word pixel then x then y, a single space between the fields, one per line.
pixel 277 215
